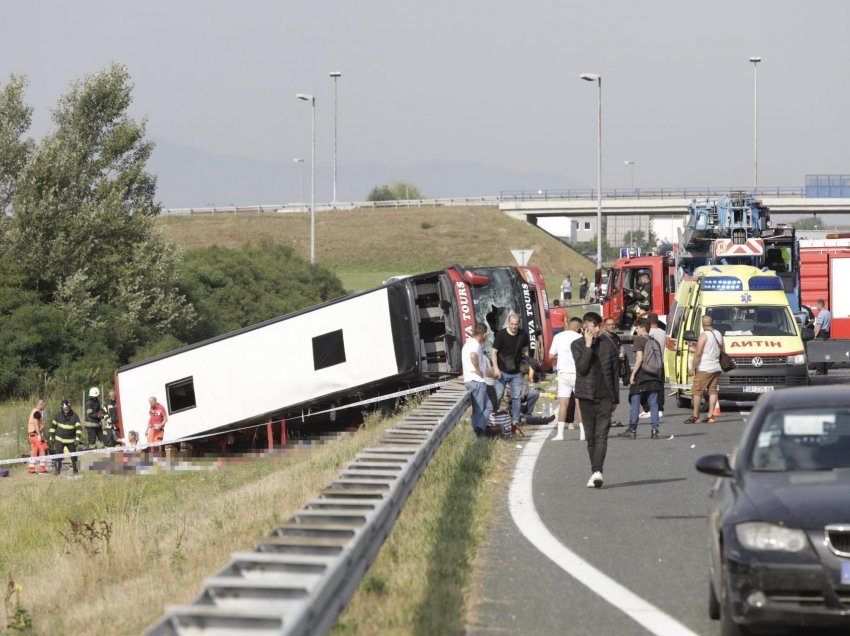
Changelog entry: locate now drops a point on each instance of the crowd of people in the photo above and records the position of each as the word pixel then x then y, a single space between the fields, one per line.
pixel 67 433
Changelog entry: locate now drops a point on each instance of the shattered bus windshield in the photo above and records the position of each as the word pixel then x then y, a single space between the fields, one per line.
pixel 495 300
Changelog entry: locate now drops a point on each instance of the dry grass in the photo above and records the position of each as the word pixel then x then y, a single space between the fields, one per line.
pixel 168 532
pixel 399 241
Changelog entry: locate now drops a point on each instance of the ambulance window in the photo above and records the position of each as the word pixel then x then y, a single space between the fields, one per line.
pixel 676 312
pixel 180 395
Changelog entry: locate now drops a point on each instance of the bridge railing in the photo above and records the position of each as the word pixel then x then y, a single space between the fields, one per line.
pixel 644 193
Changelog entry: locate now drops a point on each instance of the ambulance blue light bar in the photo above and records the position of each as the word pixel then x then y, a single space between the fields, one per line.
pixel 766 283
pixel 722 283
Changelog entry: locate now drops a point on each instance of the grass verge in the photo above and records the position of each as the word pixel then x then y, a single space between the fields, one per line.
pixel 421 581
pixel 103 555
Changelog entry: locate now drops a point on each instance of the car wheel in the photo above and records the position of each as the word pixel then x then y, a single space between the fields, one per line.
pixel 713 603
pixel 728 627
pixel 682 402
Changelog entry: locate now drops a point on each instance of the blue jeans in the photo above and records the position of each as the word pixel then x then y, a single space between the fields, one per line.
pixel 652 399
pixel 515 380
pixel 481 404
pixel 531 401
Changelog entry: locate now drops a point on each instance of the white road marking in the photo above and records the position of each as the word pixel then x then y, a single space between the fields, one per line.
pixel 525 517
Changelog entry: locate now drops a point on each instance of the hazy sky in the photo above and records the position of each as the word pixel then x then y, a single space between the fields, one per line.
pixel 493 82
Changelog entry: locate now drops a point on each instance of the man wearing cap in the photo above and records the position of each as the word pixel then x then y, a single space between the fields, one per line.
pixel 65 434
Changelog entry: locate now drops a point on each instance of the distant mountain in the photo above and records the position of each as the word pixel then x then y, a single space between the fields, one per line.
pixel 188 177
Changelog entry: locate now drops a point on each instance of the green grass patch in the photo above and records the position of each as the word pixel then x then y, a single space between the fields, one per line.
pixel 421 581
pixel 361 281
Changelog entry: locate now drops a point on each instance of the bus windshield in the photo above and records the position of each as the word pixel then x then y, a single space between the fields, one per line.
pixel 749 320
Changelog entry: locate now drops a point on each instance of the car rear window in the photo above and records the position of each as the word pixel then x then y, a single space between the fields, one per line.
pixel 803 439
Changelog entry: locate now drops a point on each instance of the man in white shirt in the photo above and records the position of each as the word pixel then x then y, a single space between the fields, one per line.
pixel 563 358
pixel 473 378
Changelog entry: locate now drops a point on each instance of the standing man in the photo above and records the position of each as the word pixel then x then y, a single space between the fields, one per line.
pixel 38 445
pixel 823 322
pixel 474 379
pixel 644 380
pixel 705 367
pixel 110 422
pixel 660 336
pixel 509 346
pixel 557 317
pixel 65 434
pixel 582 287
pixel 93 417
pixel 567 290
pixel 562 357
pixel 156 425
pixel 597 363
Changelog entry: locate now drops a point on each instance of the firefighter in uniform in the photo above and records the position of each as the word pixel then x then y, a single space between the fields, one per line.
pixel 38 445
pixel 94 416
pixel 65 434
pixel 640 299
pixel 110 421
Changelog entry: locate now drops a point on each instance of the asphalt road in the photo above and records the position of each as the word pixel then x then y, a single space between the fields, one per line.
pixel 646 529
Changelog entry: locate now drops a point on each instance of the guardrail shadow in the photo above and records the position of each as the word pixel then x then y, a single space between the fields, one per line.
pixel 451 556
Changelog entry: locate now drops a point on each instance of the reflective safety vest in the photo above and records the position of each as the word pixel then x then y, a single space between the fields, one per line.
pixel 66 428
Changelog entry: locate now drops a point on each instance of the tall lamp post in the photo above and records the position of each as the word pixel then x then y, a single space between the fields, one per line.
pixel 312 100
pixel 593 77
pixel 631 164
pixel 755 61
pixel 335 75
pixel 300 163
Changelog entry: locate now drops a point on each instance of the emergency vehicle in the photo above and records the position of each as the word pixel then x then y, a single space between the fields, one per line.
pixel 735 230
pixel 750 309
pixel 824 270
pixel 407 332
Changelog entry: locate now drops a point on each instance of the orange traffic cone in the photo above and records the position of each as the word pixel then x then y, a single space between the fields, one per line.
pixel 716 409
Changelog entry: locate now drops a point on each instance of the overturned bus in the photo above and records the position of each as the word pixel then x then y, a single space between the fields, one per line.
pixel 405 333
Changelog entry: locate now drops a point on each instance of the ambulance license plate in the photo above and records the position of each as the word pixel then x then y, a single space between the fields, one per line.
pixel 751 388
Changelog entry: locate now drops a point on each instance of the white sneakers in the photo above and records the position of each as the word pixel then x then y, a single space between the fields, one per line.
pixel 646 414
pixel 595 480
pixel 559 436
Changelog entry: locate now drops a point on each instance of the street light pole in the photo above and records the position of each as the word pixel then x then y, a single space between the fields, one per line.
pixel 335 75
pixel 312 100
pixel 755 61
pixel 300 163
pixel 593 77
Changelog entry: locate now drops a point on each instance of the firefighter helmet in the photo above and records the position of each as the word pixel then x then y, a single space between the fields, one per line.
pixel 94 392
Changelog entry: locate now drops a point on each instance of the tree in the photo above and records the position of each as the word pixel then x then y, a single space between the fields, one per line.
pixel 82 233
pixel 809 223
pixel 231 289
pixel 396 191
pixel 15 119
pixel 637 238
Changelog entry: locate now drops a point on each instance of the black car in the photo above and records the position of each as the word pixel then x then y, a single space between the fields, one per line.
pixel 780 516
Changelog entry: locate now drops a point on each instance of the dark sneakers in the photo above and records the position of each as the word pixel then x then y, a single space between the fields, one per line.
pixel 630 433
pixel 654 434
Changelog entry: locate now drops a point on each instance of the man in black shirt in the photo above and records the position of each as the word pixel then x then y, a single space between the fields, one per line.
pixel 509 346
pixel 597 363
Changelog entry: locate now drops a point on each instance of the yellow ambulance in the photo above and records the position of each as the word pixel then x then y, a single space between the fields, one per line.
pixel 751 310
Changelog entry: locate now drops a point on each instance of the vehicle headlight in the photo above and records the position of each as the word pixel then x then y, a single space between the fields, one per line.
pixel 800 358
pixel 768 537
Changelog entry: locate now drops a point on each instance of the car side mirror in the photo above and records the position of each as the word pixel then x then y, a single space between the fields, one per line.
pixel 807 333
pixel 717 465
pixel 690 336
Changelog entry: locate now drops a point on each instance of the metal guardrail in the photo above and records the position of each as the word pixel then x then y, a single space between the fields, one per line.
pixel 283 208
pixel 644 193
pixel 302 574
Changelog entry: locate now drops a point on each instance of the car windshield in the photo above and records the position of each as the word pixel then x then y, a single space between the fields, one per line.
pixel 803 439
pixel 749 320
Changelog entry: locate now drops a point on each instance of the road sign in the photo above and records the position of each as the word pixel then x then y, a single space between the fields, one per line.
pixel 522 256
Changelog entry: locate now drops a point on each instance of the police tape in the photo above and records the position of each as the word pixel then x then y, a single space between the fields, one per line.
pixel 149 445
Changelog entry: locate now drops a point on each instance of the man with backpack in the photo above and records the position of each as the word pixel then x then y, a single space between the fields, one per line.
pixel 645 379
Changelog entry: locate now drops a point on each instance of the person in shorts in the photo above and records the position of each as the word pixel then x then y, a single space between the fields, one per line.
pixel 562 358
pixel 705 367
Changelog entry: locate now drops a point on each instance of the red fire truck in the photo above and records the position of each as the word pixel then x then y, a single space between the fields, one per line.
pixel 824 270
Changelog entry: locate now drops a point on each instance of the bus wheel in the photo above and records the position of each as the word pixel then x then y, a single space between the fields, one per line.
pixel 682 402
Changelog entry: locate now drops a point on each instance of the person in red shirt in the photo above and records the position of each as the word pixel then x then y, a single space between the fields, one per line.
pixel 156 425
pixel 557 316
pixel 38 445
